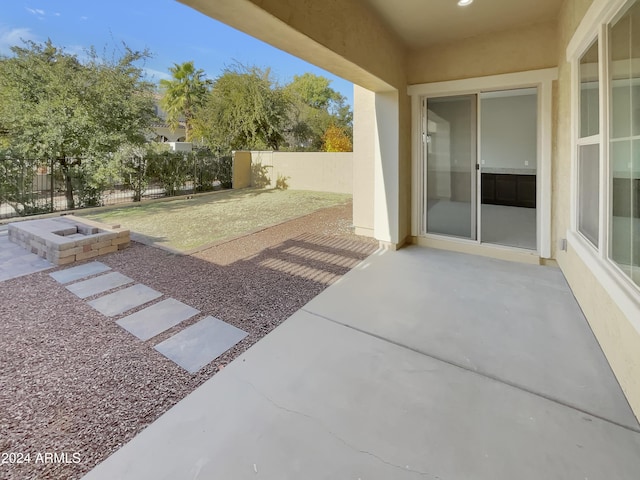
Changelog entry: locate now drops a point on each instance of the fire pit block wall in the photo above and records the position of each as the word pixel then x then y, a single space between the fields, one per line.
pixel 68 239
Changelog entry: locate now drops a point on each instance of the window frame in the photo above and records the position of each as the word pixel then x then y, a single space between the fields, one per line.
pixel 601 138
pixel 595 25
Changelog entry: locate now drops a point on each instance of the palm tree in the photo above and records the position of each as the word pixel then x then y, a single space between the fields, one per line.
pixel 183 94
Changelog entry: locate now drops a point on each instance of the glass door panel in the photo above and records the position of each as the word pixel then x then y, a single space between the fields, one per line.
pixel 451 166
pixel 508 164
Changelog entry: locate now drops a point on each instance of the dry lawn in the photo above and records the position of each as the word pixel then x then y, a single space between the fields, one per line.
pixel 186 224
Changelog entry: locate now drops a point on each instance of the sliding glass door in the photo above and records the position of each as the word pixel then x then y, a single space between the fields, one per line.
pixel 493 198
pixel 451 166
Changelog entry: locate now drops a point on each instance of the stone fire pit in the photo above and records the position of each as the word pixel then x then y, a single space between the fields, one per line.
pixel 68 239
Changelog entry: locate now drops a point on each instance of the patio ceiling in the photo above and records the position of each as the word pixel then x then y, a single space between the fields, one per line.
pixel 422 23
pixel 370 42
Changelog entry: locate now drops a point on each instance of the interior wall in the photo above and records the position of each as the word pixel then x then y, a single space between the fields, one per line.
pixel 526 48
pixel 508 129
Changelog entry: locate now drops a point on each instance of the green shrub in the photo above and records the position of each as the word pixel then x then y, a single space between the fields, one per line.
pixel 170 169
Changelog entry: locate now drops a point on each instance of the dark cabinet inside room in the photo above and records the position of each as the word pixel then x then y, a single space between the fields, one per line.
pixel 509 189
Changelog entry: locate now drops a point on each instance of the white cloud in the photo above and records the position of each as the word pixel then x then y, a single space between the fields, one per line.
pixel 57 14
pixel 156 75
pixel 36 11
pixel 14 36
pixel 84 18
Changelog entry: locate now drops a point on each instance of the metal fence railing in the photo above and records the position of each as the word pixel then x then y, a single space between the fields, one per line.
pixel 29 187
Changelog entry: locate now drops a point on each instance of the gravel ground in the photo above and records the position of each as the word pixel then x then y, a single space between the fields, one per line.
pixel 74 384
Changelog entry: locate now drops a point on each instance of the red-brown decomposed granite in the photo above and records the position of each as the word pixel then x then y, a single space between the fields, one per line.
pixel 74 386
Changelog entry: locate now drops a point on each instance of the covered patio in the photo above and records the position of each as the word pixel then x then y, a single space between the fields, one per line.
pixel 499 128
pixel 419 363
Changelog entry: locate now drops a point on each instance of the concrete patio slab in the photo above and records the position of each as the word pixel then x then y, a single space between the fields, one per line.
pixel 119 302
pixel 15 261
pixel 519 324
pixel 201 343
pixel 102 283
pixel 317 400
pixel 69 275
pixel 157 318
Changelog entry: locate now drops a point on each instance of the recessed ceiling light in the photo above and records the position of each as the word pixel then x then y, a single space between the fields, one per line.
pixel 464 3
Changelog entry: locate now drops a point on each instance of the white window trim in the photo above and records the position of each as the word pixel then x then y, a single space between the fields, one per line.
pixel 543 80
pixel 623 292
pixel 576 140
pixel 601 12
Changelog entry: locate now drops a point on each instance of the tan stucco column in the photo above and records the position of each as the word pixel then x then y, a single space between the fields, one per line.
pixel 376 165
pixel 363 160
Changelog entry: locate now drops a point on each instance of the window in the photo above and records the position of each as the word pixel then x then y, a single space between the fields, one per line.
pixel 624 142
pixel 589 146
pixel 589 199
pixel 608 142
pixel 589 92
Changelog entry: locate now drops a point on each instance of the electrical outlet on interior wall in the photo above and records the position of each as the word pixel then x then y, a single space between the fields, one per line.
pixel 526 163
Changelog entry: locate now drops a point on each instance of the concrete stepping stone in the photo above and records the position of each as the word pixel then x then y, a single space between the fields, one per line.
pixel 197 345
pixel 157 318
pixel 69 275
pixel 123 300
pixel 93 286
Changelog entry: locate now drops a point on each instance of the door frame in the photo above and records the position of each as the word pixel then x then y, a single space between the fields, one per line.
pixel 540 79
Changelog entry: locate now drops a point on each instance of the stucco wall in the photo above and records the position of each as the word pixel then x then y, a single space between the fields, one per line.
pixel 404 174
pixel 241 170
pixel 570 16
pixel 518 50
pixel 315 171
pixel 363 153
pixel 617 336
pixel 344 37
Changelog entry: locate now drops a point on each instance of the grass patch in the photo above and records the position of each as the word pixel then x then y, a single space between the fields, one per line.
pixel 186 224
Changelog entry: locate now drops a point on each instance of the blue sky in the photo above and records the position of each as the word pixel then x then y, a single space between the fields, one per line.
pixel 173 32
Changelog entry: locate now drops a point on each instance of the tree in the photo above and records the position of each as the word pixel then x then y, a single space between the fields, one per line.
pixel 183 95
pixel 315 107
pixel 133 168
pixel 56 108
pixel 16 180
pixel 335 139
pixel 245 109
pixel 312 90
